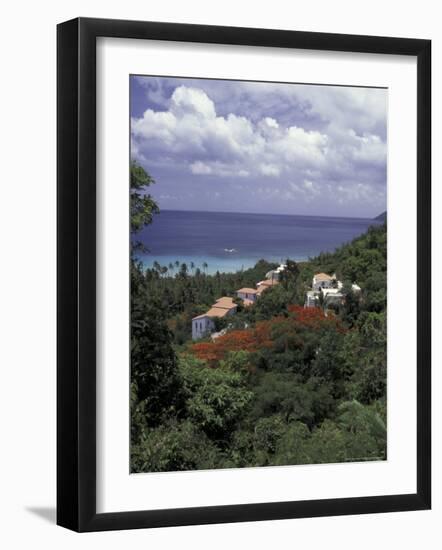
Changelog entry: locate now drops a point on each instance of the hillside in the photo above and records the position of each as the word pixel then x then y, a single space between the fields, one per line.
pixel 284 385
pixel 382 217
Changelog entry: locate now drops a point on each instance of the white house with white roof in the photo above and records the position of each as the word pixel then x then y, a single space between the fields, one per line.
pixel 274 274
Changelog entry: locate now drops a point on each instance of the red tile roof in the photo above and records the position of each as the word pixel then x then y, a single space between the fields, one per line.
pixel 323 277
pixel 246 291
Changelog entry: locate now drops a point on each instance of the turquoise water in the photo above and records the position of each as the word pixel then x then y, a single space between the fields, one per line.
pixel 229 242
pixel 229 264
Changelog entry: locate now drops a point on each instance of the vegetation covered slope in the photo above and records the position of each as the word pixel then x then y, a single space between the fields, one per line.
pixel 382 217
pixel 284 385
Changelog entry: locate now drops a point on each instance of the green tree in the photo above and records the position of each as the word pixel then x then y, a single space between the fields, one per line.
pixel 369 380
pixel 174 447
pixel 364 430
pixel 289 276
pixel 154 373
pixel 267 433
pixel 329 364
pixel 287 395
pixel 155 383
pixel 236 361
pixel 216 399
pixel 142 205
pixel 351 308
pixel 292 445
pixel 327 444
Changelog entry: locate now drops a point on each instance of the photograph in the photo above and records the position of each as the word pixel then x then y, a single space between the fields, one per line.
pixel 220 317
pixel 258 273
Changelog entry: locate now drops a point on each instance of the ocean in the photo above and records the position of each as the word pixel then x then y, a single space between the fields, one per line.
pixel 229 242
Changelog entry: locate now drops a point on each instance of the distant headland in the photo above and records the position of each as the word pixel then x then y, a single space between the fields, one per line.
pixel 382 217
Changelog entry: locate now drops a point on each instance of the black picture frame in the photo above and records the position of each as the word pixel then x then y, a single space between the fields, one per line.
pixel 77 287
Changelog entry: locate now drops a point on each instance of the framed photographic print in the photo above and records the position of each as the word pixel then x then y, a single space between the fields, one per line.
pixel 243 274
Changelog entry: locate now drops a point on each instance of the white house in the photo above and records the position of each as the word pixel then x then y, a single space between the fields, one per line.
pixel 322 280
pixel 311 299
pixel 329 288
pixel 226 302
pixel 332 296
pixel 249 294
pixel 262 286
pixel 274 274
pixel 203 325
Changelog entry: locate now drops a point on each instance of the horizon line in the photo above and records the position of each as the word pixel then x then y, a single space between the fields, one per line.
pixel 270 213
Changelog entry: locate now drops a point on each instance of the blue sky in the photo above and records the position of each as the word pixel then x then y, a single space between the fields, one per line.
pixel 237 146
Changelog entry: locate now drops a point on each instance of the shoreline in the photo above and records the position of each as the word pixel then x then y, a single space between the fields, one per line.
pixel 214 265
pixel 231 243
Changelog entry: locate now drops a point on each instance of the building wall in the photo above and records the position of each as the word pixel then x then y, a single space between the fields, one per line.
pixel 201 327
pixel 204 326
pixel 246 296
pixel 322 284
pixel 274 275
pixel 310 301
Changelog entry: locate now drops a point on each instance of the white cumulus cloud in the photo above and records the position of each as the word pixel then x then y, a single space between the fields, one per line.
pixel 233 145
pixel 318 144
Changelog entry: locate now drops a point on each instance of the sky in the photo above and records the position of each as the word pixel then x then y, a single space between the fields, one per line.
pixel 259 147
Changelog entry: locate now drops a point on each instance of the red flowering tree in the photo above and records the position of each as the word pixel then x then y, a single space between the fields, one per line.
pixel 279 333
pixel 237 340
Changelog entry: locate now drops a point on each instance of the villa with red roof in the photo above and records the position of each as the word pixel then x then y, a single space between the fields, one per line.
pixel 329 289
pixel 203 325
pixel 247 294
pixel 322 280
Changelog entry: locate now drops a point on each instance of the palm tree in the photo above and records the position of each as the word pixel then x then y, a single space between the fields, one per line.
pixel 171 267
pixel 192 266
pixel 205 266
pixel 157 267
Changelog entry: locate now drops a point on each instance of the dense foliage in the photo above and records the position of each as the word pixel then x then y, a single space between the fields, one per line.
pixel 283 385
